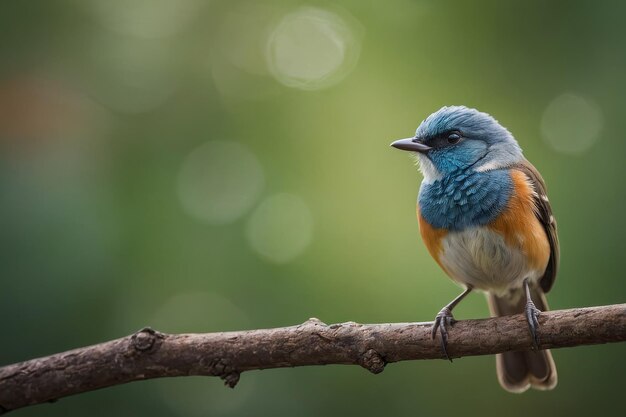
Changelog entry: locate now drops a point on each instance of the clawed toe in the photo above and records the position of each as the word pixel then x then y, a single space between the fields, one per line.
pixel 445 319
pixel 442 320
pixel 532 317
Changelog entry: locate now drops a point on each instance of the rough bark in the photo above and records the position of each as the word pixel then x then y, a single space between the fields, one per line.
pixel 151 354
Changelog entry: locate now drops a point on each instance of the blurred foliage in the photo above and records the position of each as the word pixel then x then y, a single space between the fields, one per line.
pixel 110 224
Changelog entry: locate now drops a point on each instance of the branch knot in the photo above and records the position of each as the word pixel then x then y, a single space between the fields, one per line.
pixel 314 321
pixel 372 361
pixel 231 379
pixel 145 339
pixel 225 371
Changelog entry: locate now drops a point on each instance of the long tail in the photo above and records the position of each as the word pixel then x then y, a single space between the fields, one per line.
pixel 518 371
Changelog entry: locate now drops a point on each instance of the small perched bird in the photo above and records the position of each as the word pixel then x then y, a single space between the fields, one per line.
pixel 485 217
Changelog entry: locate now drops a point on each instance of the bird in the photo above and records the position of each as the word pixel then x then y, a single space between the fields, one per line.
pixel 485 218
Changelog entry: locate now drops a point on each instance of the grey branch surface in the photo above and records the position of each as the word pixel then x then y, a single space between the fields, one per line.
pixel 151 354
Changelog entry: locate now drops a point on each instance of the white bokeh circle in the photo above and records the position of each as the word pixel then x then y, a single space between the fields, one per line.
pixel 200 312
pixel 571 124
pixel 312 48
pixel 219 181
pixel 134 75
pixel 280 228
pixel 145 18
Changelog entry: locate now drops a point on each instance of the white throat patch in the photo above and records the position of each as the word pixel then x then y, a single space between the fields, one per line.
pixel 428 169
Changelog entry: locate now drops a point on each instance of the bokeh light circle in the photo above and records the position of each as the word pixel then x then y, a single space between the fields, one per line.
pixel 199 312
pixel 313 48
pixel 133 75
pixel 242 36
pixel 219 181
pixel 145 18
pixel 280 228
pixel 571 124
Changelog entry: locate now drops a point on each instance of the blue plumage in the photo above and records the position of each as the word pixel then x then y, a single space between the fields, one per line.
pixel 478 125
pixel 467 199
pixel 450 160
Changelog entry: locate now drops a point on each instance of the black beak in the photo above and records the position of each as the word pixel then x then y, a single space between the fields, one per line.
pixel 411 144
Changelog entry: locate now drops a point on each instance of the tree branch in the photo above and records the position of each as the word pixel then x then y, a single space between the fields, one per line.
pixel 151 354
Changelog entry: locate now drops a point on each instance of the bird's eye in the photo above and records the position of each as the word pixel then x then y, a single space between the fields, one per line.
pixel 454 138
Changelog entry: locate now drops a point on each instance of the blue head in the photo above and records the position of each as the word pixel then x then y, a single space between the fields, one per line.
pixel 457 138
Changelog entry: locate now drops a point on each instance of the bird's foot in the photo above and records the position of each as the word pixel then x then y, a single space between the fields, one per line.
pixel 532 316
pixel 442 320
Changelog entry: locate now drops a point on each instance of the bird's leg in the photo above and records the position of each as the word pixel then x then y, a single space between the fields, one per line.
pixel 532 315
pixel 445 318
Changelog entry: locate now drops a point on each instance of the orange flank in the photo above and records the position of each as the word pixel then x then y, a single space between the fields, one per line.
pixel 432 237
pixel 519 226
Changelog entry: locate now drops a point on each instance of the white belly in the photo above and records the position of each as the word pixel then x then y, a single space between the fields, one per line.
pixel 480 257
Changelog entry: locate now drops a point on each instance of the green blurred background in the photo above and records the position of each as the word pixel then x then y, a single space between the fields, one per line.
pixel 205 166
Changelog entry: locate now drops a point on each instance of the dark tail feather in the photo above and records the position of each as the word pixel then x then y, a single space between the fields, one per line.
pixel 518 371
